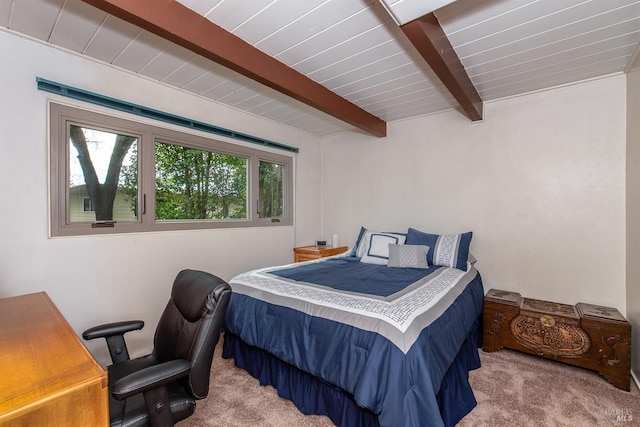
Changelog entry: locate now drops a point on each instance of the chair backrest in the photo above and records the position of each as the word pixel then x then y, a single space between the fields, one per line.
pixel 189 327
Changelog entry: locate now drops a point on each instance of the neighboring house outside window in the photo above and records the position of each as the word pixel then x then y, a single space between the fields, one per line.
pixel 81 206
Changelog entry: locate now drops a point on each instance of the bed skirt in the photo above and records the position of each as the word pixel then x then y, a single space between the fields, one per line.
pixel 313 396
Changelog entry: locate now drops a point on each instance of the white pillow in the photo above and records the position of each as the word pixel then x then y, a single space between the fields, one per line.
pixel 374 246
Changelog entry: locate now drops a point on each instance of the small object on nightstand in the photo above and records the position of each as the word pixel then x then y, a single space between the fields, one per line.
pixel 321 243
pixel 308 253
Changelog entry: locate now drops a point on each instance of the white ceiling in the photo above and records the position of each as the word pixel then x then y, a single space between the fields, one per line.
pixel 354 48
pixel 403 11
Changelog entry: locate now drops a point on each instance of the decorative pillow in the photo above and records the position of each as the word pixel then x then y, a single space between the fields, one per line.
pixel 447 250
pixel 410 256
pixel 354 249
pixel 472 260
pixel 374 246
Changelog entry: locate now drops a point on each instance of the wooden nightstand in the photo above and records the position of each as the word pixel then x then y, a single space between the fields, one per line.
pixel 307 253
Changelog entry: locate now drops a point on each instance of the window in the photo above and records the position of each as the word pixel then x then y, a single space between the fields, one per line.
pixel 98 164
pixel 272 182
pixel 111 175
pixel 194 184
pixel 87 206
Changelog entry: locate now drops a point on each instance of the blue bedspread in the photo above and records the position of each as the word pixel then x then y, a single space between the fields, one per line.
pixel 349 274
pixel 372 338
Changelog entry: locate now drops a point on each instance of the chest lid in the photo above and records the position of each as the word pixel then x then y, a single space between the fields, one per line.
pixel 535 306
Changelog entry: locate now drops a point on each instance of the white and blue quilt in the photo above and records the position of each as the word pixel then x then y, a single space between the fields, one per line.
pixel 387 336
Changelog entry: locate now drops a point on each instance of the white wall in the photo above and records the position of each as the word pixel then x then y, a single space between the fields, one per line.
pixel 541 183
pixel 118 277
pixel 633 215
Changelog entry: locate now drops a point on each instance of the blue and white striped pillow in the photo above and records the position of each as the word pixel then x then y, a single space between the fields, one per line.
pixel 447 250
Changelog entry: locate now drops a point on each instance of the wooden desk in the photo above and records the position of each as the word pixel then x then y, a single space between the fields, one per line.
pixel 47 377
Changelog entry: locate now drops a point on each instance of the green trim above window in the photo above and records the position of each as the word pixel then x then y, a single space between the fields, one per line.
pixel 128 107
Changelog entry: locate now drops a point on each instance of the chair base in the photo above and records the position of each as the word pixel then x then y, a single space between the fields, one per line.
pixel 132 412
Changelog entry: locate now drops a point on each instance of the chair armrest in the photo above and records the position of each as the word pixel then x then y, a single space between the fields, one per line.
pixel 111 329
pixel 114 334
pixel 149 378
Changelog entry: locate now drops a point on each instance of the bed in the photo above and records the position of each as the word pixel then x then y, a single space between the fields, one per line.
pixel 359 341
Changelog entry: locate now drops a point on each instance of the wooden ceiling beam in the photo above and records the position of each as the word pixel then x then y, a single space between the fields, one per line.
pixel 177 23
pixel 432 43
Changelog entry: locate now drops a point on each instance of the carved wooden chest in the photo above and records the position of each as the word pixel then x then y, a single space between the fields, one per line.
pixel 585 335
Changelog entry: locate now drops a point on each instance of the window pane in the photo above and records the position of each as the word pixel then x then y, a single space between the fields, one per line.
pixel 103 175
pixel 271 179
pixel 194 184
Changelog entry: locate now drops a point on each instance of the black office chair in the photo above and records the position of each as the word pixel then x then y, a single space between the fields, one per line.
pixel 161 388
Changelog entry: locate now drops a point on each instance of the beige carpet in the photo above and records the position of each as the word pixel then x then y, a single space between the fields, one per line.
pixel 512 389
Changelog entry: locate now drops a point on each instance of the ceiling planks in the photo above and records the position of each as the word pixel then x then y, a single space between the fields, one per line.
pixel 184 27
pixel 432 43
pixel 354 49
